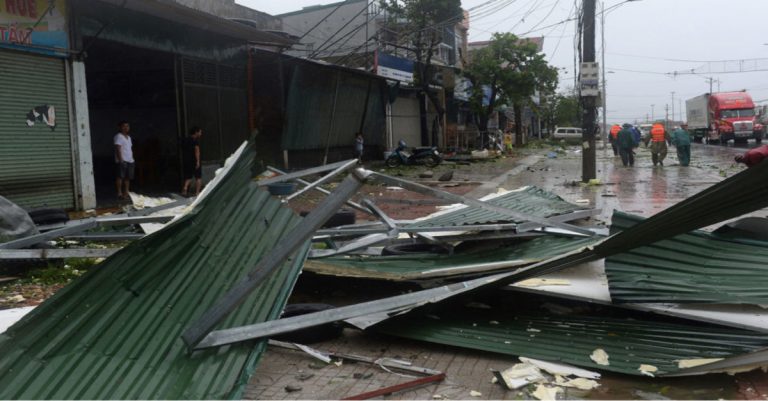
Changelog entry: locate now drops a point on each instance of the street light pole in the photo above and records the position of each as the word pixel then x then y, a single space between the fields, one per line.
pixel 653 118
pixel 673 106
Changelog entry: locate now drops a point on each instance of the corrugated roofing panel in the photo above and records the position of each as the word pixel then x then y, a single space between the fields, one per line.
pixel 115 332
pixel 693 267
pixel 529 200
pixel 421 266
pixel 572 339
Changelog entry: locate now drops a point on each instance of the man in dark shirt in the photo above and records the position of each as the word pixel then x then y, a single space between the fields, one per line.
pixel 190 157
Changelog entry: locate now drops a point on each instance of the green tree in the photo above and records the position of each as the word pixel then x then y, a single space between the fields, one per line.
pixel 418 26
pixel 514 71
pixel 560 109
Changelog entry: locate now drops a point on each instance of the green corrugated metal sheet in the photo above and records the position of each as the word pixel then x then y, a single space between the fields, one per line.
pixel 529 200
pixel 409 267
pixel 310 106
pixel 629 342
pixel 693 267
pixel 35 162
pixel 115 333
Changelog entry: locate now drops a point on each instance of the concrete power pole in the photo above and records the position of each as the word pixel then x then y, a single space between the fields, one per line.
pixel 589 114
pixel 666 117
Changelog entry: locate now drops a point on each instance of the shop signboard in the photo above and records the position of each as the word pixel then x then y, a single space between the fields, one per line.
pixel 34 25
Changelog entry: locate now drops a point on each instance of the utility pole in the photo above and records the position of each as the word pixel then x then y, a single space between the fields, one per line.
pixel 666 117
pixel 652 116
pixel 604 129
pixel 588 160
pixel 673 106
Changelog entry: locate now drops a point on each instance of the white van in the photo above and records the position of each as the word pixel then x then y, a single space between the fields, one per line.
pixel 567 133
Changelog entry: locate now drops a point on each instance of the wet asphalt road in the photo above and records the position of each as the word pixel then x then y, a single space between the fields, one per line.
pixel 642 189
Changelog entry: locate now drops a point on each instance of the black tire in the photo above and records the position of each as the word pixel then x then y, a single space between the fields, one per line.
pixel 310 335
pixel 48 216
pixel 393 161
pixel 413 249
pixel 759 139
pixel 343 217
pixel 431 161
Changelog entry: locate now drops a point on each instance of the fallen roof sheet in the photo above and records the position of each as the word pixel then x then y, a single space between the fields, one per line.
pixel 738 194
pixel 531 201
pixel 628 342
pixel 115 332
pixel 587 282
pixel 424 266
pixel 694 267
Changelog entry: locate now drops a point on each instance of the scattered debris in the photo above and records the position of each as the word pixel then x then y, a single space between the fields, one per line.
pixel 600 357
pixel 426 174
pixel 546 393
pixel 292 388
pixel 648 370
pixel 691 363
pixel 447 176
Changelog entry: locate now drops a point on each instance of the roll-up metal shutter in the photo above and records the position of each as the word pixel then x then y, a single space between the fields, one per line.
pixel 35 139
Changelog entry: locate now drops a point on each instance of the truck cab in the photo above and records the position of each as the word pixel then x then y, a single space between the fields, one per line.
pixel 732 117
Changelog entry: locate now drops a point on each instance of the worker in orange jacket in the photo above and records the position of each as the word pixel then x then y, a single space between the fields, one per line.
pixel 613 138
pixel 658 138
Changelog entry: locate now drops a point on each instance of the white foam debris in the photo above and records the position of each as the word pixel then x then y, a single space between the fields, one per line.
pixel 600 357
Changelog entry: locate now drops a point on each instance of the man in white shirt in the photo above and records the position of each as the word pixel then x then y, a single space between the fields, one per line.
pixel 124 162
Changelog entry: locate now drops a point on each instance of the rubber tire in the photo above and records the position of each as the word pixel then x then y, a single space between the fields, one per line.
pixel 414 249
pixel 431 161
pixel 48 216
pixel 759 140
pixel 393 161
pixel 343 217
pixel 310 335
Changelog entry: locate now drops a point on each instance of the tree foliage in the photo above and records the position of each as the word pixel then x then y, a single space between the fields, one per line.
pixel 514 71
pixel 418 26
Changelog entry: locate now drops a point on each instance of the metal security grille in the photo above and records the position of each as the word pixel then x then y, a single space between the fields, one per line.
pixel 35 139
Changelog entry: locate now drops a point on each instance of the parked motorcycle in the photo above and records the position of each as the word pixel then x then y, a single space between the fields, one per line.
pixel 428 156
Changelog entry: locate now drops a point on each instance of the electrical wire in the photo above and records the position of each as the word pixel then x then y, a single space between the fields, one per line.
pixel 367 4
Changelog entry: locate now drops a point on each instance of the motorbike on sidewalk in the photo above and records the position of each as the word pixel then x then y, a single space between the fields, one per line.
pixel 428 156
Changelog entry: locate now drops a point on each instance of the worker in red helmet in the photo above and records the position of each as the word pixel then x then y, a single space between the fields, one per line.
pixel 753 156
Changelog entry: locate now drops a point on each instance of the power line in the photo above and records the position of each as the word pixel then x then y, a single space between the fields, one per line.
pixel 340 29
pixel 321 21
pixel 687 60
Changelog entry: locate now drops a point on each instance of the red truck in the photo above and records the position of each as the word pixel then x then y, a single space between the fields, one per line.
pixel 720 117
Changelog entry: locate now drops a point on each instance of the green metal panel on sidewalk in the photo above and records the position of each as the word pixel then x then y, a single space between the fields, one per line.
pixel 35 161
pixel 528 200
pixel 628 341
pixel 694 267
pixel 115 333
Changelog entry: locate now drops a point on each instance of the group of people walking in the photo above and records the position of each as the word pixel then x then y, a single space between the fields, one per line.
pixel 625 138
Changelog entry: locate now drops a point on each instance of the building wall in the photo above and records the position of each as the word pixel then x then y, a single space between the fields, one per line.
pixel 349 13
pixel 229 9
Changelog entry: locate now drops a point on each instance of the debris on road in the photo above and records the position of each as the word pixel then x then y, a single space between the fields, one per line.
pixel 574 297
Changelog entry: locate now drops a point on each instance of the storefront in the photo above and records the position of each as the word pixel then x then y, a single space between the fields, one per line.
pixel 164 68
pixel 37 142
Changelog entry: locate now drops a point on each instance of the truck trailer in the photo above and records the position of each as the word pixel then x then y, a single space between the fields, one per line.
pixel 721 117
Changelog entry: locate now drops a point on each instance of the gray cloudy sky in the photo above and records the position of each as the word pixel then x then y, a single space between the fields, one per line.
pixel 645 41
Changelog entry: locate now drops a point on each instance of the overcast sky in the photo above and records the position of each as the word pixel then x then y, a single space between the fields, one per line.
pixel 645 41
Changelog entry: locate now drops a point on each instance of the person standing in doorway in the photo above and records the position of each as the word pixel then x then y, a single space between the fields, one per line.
pixel 359 147
pixel 190 158
pixel 658 138
pixel 626 144
pixel 124 164
pixel 681 138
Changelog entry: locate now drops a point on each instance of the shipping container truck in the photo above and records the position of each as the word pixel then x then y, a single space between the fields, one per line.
pixel 721 117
